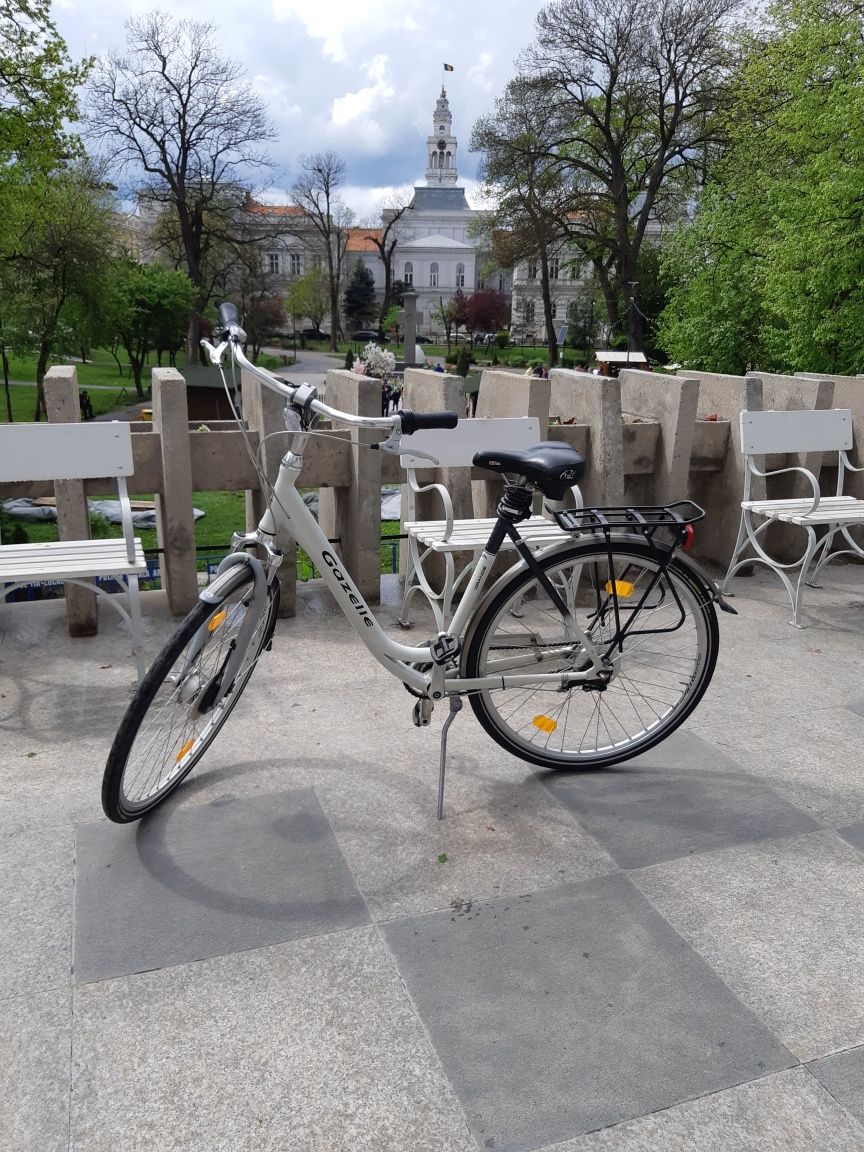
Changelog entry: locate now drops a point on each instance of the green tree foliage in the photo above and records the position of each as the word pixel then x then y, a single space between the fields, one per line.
pixel 463 362
pixel 361 304
pixel 151 306
pixel 632 88
pixel 55 268
pixel 310 296
pixel 38 83
pixel 772 272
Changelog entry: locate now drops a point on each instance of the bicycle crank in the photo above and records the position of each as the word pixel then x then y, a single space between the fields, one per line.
pixel 421 714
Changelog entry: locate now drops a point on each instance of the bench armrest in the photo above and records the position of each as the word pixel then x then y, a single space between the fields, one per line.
pixel 417 488
pixel 814 483
pixel 849 467
pixel 126 517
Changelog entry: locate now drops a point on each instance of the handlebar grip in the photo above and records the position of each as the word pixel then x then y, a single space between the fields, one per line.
pixel 228 315
pixel 414 421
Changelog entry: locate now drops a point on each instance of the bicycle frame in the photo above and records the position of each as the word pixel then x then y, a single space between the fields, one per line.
pixel 287 513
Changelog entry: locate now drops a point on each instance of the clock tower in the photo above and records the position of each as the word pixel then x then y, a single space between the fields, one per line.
pixel 441 146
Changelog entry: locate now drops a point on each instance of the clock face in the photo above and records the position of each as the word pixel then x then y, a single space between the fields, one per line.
pixel 442 144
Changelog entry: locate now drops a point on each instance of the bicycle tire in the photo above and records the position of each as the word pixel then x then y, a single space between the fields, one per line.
pixel 160 745
pixel 526 723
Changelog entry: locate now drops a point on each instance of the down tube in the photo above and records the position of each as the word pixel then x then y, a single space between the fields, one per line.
pixel 299 522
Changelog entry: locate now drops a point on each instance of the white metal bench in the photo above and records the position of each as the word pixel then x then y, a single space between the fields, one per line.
pixel 767 433
pixel 455 448
pixel 75 452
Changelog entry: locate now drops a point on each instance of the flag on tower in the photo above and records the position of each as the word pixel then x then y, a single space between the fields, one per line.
pixel 448 67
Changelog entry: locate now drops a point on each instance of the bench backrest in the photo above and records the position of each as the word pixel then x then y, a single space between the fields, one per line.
pixel 455 447
pixel 65 451
pixel 823 430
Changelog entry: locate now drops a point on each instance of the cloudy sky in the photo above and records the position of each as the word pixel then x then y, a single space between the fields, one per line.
pixel 360 78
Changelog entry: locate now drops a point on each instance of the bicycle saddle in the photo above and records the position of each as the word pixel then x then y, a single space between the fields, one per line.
pixel 553 466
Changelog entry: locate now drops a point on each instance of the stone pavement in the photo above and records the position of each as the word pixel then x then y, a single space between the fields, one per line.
pixel 293 954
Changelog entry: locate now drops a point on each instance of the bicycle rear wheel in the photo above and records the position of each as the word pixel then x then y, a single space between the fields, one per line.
pixel 660 671
pixel 172 720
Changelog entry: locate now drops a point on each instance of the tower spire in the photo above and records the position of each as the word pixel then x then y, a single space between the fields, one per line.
pixel 441 145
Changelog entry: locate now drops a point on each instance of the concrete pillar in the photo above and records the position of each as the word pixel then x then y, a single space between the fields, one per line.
pixel 263 412
pixel 175 525
pixel 508 394
pixel 409 322
pixel 353 514
pixel 672 402
pixel 595 401
pixel 73 517
pixel 427 391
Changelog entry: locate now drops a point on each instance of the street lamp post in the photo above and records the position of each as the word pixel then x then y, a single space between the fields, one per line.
pixel 631 304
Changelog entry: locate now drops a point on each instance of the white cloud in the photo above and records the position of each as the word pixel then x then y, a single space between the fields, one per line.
pixel 358 106
pixel 338 22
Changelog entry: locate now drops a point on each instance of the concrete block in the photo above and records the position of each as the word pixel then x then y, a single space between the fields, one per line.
pixel 595 401
pixel 508 394
pixel 353 514
pixel 263 413
pixel 73 516
pixel 671 402
pixel 175 530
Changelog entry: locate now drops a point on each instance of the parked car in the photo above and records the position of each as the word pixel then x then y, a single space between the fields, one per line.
pixel 484 338
pixel 418 339
pixel 366 334
pixel 314 334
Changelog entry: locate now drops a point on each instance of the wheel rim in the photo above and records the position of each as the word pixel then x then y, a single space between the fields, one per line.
pixel 175 731
pixel 655 677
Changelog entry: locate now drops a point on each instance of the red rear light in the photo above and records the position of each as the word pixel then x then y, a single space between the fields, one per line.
pixel 689 537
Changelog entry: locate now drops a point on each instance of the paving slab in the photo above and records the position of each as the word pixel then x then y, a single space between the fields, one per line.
pixel 35 1038
pixel 809 757
pixel 786 1112
pixel 565 1010
pixel 843 1076
pixel 780 922
pixel 205 880
pixel 36 902
pixel 312 1045
pixel 683 796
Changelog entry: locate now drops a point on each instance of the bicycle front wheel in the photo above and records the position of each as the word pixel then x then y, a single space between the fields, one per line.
pixel 172 719
pixel 661 648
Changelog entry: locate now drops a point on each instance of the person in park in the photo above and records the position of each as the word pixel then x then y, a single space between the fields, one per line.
pixel 85 405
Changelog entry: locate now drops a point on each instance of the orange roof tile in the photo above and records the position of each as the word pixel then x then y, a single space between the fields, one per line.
pixel 359 239
pixel 272 209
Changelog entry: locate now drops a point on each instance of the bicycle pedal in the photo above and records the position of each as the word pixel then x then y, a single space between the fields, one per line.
pixel 421 714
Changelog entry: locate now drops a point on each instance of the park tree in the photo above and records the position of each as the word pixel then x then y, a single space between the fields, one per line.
pixel 488 311
pixel 316 191
pixel 635 88
pixel 445 314
pixel 460 310
pixel 524 178
pixel 387 239
pixel 151 304
pixel 310 296
pixel 55 269
pixel 181 118
pixel 771 272
pixel 361 303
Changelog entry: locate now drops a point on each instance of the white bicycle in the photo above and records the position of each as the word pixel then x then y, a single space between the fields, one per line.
pixel 578 657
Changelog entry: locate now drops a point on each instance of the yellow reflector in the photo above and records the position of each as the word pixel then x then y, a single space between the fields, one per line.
pixel 623 587
pixel 218 619
pixel 184 750
pixel 544 723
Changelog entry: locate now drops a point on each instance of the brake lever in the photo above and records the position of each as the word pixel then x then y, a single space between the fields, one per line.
pixel 215 354
pixel 392 446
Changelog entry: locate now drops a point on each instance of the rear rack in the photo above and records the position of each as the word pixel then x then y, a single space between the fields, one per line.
pixel 645 520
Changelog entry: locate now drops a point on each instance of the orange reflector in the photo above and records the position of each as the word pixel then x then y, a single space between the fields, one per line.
pixel 544 723
pixel 623 587
pixel 218 619
pixel 184 750
pixel 689 537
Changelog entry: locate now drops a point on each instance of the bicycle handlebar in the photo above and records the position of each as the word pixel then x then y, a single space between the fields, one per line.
pixel 406 422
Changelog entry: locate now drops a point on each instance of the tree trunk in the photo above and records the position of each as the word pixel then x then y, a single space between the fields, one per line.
pixel 193 337
pixel 610 297
pixel 6 384
pixel 41 369
pixel 547 308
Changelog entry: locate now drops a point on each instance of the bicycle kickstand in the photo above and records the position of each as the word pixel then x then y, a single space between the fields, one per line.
pixel 455 709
